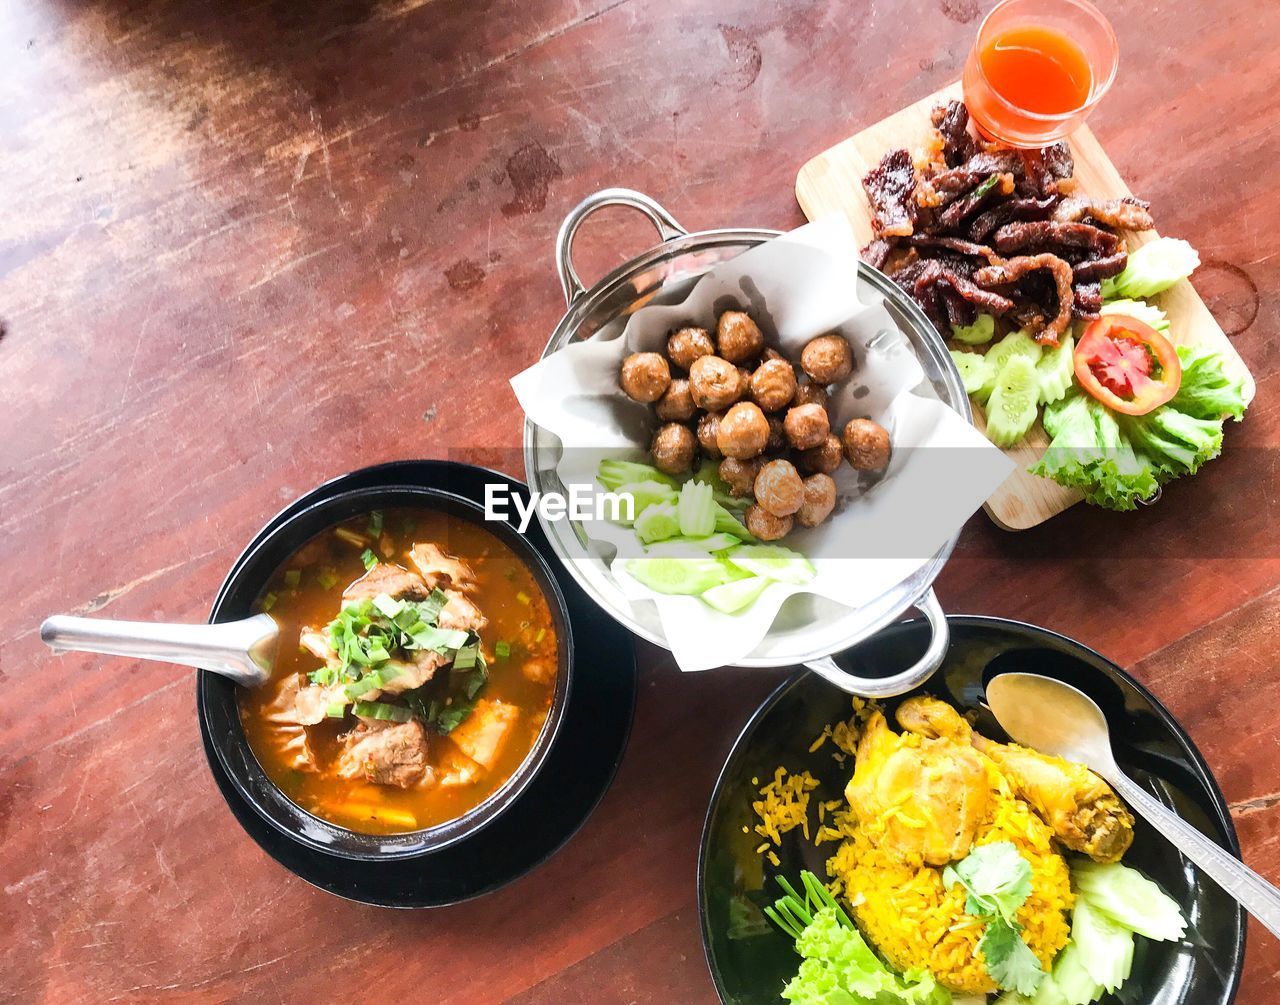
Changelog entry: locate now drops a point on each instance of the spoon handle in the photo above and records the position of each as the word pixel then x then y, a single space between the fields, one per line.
pixel 1254 893
pixel 242 650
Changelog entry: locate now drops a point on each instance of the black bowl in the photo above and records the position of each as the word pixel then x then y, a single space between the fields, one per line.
pixel 217 695
pixel 751 960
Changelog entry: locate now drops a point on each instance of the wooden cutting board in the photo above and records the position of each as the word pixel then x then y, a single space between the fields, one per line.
pixel 832 183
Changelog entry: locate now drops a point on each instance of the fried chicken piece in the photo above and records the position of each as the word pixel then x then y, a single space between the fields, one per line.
pixel 1084 812
pixel 931 794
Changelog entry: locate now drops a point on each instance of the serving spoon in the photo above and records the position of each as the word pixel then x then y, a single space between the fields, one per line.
pixel 243 651
pixel 1055 718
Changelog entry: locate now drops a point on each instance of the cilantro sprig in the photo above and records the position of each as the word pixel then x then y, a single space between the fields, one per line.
pixel 997 882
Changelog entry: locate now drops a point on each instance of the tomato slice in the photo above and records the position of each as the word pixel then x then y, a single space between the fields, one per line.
pixel 1128 366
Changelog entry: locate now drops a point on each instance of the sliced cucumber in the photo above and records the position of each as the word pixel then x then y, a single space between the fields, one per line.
pixel 1106 946
pixel 657 523
pixel 1072 979
pixel 697 509
pixel 982 331
pixel 692 545
pixel 730 598
pixel 727 523
pixel 975 371
pixel 1139 310
pixel 645 494
pixel 614 472
pixel 678 576
pixel 1128 897
pixel 1056 370
pixel 1014 403
pixel 773 562
pixel 1152 269
pixel 1017 343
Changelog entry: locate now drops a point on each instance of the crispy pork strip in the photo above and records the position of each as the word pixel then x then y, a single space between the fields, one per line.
pixel 1014 269
pixel 889 187
pixel 1047 235
pixel 1126 213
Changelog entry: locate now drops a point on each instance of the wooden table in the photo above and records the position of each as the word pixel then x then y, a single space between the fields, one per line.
pixel 246 247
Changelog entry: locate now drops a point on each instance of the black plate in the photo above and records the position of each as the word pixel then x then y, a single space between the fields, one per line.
pixel 578 770
pixel 751 967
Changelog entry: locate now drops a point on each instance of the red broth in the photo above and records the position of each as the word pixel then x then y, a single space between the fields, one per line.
pixel 307 591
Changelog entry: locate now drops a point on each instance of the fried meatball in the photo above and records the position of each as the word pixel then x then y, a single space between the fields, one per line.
pixel 806 426
pixel 676 405
pixel 765 525
pixel 819 500
pixel 737 337
pixel 866 445
pixel 687 344
pixel 778 489
pixel 673 449
pixel 773 385
pixel 740 475
pixel 822 459
pixel 809 393
pixel 714 382
pixel 827 359
pixel 708 426
pixel 644 376
pixel 777 434
pixel 743 431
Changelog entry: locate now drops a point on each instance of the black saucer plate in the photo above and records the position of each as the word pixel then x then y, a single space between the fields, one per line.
pixel 574 778
pixel 751 960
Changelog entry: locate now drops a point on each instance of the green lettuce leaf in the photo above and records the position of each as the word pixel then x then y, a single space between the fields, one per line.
pixel 1206 391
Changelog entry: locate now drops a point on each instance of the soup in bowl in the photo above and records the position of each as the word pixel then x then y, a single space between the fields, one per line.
pixel 423 664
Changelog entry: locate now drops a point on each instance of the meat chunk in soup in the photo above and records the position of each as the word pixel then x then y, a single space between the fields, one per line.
pixel 461 613
pixel 395 582
pixel 453 767
pixel 484 733
pixel 439 569
pixel 414 673
pixel 387 753
pixel 317 644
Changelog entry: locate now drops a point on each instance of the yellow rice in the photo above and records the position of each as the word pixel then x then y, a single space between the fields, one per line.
pixel 902 907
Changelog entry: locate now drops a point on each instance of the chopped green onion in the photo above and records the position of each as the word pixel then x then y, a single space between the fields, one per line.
pixel 439 640
pixel 381 710
pixel 327 578
pixel 367 683
pixel 430 608
pixel 388 607
pixel 268 601
pixel 466 657
pixel 350 536
pixel 375 524
pixel 501 649
pixel 523 597
pixel 337 710
pixel 369 559
pixel 292 578
pixel 324 676
pixel 542 634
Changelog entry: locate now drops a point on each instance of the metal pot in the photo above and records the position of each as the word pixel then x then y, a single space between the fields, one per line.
pixel 809 630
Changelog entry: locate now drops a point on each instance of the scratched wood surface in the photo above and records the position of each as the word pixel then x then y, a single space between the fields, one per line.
pixel 246 247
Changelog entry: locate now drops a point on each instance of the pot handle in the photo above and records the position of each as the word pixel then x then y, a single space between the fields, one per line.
pixel 913 676
pixel 659 217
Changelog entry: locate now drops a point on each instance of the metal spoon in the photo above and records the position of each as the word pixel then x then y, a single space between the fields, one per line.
pixel 244 651
pixel 1054 718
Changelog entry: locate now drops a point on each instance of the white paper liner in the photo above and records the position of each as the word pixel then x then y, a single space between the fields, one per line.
pixel 796 287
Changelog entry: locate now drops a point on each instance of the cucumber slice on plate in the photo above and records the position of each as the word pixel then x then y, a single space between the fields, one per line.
pixel 975 371
pixel 730 598
pixel 697 509
pixel 1014 403
pixel 679 576
pixel 692 545
pixel 1017 343
pixel 982 331
pixel 1056 370
pixel 773 561
pixel 657 522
